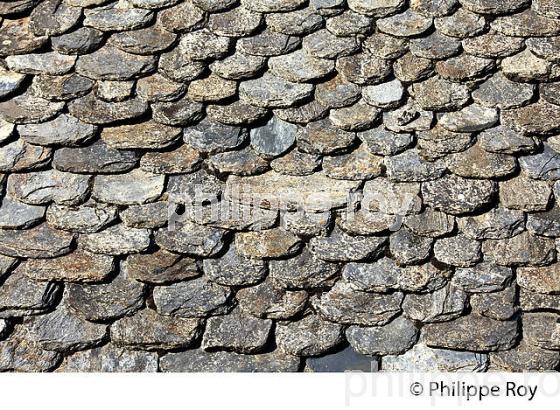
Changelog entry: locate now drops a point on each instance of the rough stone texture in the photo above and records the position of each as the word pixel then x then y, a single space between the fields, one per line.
pixel 262 185
pixel 394 338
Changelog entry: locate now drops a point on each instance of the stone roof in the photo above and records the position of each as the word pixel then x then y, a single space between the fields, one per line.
pixel 279 185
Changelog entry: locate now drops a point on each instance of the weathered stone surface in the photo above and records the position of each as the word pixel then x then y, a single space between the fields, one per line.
pixel 376 8
pixel 225 362
pixel 500 92
pixel 360 164
pixel 192 298
pixel 492 44
pixel 145 41
pixel 349 23
pixel 271 243
pixel 344 305
pixel 192 239
pixel 157 88
pixel 80 41
pixel 410 68
pixel 484 277
pixel 476 162
pixel 39 242
pixel 540 279
pixel 506 140
pixel 473 333
pixel 498 223
pixel 441 305
pixel 41 63
pixel 117 17
pixel 391 198
pixel 436 46
pixel 299 67
pixel 296 163
pixel 94 110
pixel 406 24
pixel 363 68
pixel 232 269
pixel 10 81
pixel 116 240
pixel 343 360
pixel 196 187
pixel 526 67
pixel 365 222
pixel 306 224
pixel 95 158
pixel 177 113
pixel 430 223
pixel 496 305
pixel 525 357
pixel 357 117
pixel 179 67
pixel 148 330
pixel 148 135
pixel 61 88
pixel 545 223
pixel 341 247
pixel 425 359
pixel 268 43
pixel 269 91
pixel 525 194
pixel 273 138
pixel 22 296
pixel 79 266
pixel 85 218
pixel 185 16
pixel 28 109
pixel 20 354
pixel 109 63
pixel 48 186
pixel 534 302
pixel 181 160
pixel 276 191
pixel 107 301
pixel 62 330
pixel 16 37
pixel 211 89
pixel 109 359
pixel 464 67
pixel 302 271
pixel 544 165
pixel 458 250
pixel 523 249
pixel 160 267
pixel 437 93
pixel 201 45
pixel 526 24
pixel 310 336
pixel 542 330
pixel 20 156
pixel 324 44
pixel 394 338
pixel 270 300
pixel 545 47
pixel 297 22
pixel 63 130
pixel 407 248
pixel 236 332
pixel 410 167
pixel 461 24
pixel 383 142
pixel 385 95
pixel 134 187
pixel 456 195
pixel 533 119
